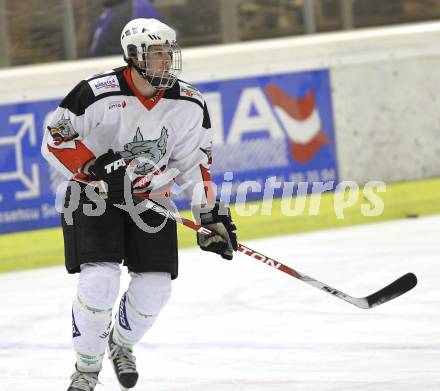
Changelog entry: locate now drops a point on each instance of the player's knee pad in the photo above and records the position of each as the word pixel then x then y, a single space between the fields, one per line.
pixel 98 284
pixel 149 292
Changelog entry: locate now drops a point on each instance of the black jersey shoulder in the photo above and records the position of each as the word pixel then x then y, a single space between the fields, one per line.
pixel 94 88
pixel 187 92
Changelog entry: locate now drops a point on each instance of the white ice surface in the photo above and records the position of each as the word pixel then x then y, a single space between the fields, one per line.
pixel 242 325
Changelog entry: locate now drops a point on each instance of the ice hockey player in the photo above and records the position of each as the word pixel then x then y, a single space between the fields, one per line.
pixel 140 113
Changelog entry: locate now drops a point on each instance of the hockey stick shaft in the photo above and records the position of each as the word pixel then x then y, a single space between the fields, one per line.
pixel 398 287
pixel 391 291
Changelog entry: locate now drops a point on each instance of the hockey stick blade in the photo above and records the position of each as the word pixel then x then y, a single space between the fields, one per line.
pixel 393 290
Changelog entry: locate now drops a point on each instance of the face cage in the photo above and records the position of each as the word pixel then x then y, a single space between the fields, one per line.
pixel 163 79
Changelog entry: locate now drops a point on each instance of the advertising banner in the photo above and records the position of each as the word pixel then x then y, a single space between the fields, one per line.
pixel 268 131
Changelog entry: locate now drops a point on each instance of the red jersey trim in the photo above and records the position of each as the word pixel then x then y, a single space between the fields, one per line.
pixel 73 158
pixel 148 103
pixel 207 184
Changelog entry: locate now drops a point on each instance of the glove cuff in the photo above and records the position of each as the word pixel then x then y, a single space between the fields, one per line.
pixel 211 214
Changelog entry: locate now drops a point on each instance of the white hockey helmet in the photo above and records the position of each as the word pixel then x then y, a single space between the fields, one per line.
pixel 136 38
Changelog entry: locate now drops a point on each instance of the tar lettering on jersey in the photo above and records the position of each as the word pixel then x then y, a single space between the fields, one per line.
pixel 113 166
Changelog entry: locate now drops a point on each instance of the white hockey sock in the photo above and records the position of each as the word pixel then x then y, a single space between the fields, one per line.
pixel 90 329
pixel 98 287
pixel 147 294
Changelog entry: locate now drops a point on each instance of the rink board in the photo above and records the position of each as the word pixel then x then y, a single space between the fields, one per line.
pixel 411 199
pixel 254 139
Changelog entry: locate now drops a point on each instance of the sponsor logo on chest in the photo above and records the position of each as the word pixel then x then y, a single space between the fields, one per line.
pixel 117 104
pixel 105 84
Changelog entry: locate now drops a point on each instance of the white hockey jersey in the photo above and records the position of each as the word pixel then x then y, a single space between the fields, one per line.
pixel 170 135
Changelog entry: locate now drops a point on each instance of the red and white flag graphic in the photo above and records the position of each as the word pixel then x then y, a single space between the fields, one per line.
pixel 301 121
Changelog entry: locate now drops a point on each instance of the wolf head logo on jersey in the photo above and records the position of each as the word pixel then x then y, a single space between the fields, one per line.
pixel 152 151
pixel 62 131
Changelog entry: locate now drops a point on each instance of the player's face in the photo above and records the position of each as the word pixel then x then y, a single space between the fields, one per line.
pixel 160 65
pixel 159 59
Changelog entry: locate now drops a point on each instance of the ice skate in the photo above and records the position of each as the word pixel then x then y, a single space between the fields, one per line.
pixel 124 364
pixel 83 381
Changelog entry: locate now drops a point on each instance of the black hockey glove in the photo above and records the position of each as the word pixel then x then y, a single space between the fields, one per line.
pixel 110 168
pixel 219 220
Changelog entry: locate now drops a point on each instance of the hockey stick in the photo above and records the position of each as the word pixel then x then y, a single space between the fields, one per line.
pixel 397 288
